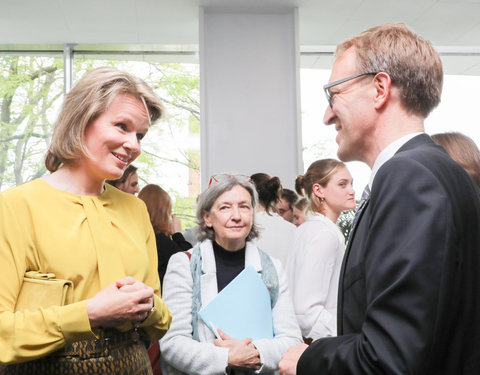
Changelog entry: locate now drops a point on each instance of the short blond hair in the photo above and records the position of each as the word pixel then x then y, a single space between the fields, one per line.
pixel 411 62
pixel 88 99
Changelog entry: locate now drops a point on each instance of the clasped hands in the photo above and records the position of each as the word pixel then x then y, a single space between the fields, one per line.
pixel 242 354
pixel 126 300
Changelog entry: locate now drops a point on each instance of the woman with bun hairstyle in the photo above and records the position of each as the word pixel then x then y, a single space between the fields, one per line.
pixel 313 266
pixel 276 234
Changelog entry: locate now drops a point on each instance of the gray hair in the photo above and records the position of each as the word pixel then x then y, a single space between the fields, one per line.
pixel 221 184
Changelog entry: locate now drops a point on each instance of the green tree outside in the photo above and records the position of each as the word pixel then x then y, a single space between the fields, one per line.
pixel 31 91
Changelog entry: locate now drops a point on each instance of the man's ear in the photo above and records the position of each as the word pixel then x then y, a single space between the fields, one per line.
pixel 317 190
pixel 383 83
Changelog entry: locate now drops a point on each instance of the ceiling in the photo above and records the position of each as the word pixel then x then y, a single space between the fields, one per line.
pixel 452 25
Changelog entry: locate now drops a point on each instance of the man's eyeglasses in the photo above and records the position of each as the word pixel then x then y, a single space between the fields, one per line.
pixel 222 176
pixel 327 87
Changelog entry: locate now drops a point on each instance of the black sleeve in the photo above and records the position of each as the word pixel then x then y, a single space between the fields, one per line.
pixel 181 242
pixel 166 247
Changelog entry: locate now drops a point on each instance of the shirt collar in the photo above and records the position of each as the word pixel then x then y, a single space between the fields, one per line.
pixel 388 153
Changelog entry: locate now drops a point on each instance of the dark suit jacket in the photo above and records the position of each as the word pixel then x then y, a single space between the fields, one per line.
pixel 409 293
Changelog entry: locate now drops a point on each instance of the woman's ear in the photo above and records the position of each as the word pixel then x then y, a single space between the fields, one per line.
pixel 317 190
pixel 206 218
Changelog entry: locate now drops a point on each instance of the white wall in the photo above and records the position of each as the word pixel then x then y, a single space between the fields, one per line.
pixel 249 81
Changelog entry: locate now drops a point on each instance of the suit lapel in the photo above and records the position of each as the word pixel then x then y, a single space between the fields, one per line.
pixel 419 140
pixel 208 286
pixel 208 279
pixel 344 266
pixel 252 258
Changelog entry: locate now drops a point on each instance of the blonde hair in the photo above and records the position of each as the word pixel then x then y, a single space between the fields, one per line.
pixel 411 62
pixel 88 99
pixel 319 172
pixel 159 207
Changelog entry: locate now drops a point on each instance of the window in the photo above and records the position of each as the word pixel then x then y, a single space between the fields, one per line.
pixel 458 112
pixel 32 91
pixel 31 88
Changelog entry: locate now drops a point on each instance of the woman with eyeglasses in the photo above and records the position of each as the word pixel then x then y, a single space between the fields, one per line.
pixel 225 214
pixel 314 263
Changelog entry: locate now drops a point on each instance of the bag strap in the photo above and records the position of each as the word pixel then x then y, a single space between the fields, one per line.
pixel 39 275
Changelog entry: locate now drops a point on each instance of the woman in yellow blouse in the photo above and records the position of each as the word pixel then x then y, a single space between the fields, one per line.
pixel 72 224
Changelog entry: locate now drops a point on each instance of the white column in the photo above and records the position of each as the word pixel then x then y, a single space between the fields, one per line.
pixel 68 66
pixel 250 96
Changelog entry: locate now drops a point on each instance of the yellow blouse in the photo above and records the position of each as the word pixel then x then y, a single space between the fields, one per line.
pixel 92 241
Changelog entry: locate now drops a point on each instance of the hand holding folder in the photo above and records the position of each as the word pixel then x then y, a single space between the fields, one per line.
pixel 242 309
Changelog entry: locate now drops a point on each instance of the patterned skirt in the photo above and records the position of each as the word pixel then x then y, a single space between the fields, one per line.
pixel 112 354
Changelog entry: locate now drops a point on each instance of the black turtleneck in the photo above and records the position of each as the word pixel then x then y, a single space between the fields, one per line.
pixel 229 264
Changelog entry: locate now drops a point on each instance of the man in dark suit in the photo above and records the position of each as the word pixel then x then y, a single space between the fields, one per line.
pixel 409 293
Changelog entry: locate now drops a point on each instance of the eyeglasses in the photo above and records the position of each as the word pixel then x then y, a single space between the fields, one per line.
pixel 327 87
pixel 219 177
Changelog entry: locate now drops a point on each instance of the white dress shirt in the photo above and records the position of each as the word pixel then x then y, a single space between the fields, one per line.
pixel 276 235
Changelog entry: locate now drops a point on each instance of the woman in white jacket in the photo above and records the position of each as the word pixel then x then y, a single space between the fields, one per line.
pixel 225 213
pixel 275 233
pixel 314 263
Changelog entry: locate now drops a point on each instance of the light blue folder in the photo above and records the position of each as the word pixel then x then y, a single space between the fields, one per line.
pixel 242 309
